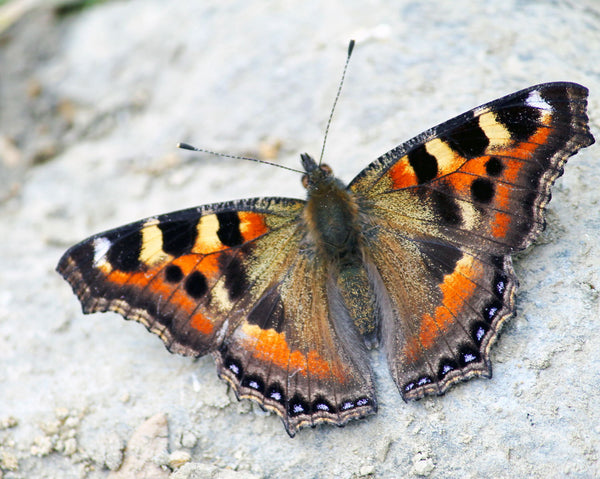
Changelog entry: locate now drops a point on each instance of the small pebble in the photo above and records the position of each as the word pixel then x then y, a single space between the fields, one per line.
pixel 178 459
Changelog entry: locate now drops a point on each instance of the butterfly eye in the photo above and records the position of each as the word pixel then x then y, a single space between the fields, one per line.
pixel 305 181
pixel 326 169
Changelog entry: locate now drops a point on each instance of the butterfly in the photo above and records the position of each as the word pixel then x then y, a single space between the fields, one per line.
pixel 414 256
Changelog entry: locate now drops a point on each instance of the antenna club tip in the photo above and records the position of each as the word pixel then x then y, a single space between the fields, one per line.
pixel 351 47
pixel 185 146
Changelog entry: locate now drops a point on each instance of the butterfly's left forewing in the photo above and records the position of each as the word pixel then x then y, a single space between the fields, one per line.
pixel 234 279
pixel 444 212
pixel 177 273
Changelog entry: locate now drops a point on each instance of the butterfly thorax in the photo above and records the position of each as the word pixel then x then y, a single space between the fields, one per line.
pixel 331 214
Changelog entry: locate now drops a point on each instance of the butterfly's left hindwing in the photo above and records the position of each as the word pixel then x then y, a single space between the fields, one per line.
pixel 226 279
pixel 445 210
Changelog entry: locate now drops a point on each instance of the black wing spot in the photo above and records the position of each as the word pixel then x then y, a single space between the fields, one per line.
pixel 195 285
pixel 494 166
pixel 235 276
pixel 275 393
pixel 469 355
pixel 424 380
pixel 530 199
pixel 469 140
pixel 446 365
pixel 478 331
pixel 229 229
pixel 447 208
pixel 298 406
pixel 173 274
pixel 482 190
pixel 535 175
pixel 124 253
pixel 424 165
pixel 500 284
pixel 409 386
pixel 521 121
pixel 498 262
pixel 491 310
pixel 178 236
pixel 254 382
pixel 234 366
pixel 322 405
pixel 165 320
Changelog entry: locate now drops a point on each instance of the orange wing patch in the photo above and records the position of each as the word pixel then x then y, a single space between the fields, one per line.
pixel 402 174
pixel 270 346
pixel 525 150
pixel 457 286
pixel 151 283
pixel 252 225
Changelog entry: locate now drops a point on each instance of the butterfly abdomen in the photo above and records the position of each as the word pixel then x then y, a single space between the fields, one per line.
pixel 332 217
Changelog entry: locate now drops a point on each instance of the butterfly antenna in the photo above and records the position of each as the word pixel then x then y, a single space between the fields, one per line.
pixel 186 146
pixel 350 48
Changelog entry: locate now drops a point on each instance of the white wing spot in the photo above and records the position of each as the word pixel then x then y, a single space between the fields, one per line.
pixel 424 380
pixel 480 334
pixel 101 247
pixel 468 358
pixel 275 395
pixel 536 101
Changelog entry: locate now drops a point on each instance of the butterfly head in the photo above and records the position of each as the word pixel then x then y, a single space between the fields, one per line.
pixel 315 174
